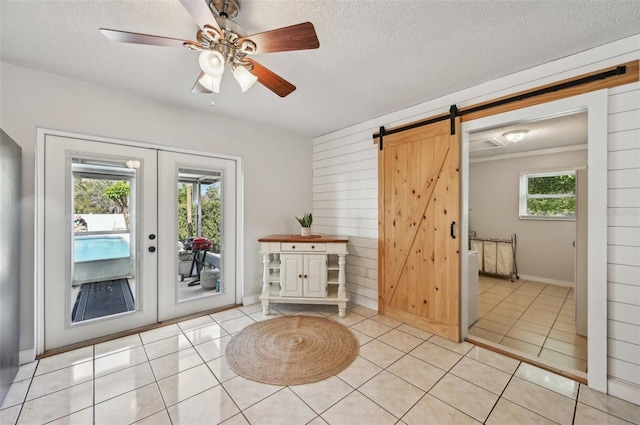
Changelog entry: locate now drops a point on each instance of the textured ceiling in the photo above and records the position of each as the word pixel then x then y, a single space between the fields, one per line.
pixel 375 57
pixel 561 131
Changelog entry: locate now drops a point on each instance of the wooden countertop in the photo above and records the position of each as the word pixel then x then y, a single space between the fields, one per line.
pixel 298 238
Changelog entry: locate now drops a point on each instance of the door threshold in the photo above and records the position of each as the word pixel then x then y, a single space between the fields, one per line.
pixel 556 368
pixel 129 332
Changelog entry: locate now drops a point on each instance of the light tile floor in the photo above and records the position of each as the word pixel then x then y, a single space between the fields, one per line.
pixel 531 317
pixel 177 374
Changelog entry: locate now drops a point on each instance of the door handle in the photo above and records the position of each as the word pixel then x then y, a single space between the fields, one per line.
pixel 152 249
pixel 152 236
pixel 453 229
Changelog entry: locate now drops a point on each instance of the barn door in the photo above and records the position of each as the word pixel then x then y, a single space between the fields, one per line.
pixel 419 220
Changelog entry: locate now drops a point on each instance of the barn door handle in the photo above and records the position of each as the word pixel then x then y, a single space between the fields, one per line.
pixel 453 229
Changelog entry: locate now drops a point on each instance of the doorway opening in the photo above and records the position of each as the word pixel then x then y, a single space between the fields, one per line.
pixel 537 286
pixel 528 188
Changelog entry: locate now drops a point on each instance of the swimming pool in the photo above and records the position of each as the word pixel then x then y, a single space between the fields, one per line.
pixel 99 258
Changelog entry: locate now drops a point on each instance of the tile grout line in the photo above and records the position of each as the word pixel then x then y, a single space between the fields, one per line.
pixel 182 332
pixel 496 306
pixel 502 392
pixel 544 388
pixel 446 372
pixel 155 381
pixel 93 406
pixel 240 411
pixel 442 377
pixel 552 327
pixel 519 316
pixel 318 415
pixel 554 321
pixel 24 400
pixel 575 407
pixel 539 293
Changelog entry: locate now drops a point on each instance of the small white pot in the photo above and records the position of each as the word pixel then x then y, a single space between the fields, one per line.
pixel 305 231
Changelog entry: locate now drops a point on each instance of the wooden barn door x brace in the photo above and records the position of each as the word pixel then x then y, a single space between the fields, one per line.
pixel 419 205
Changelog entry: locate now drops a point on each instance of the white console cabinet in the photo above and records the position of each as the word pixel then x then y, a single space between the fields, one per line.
pixel 304 270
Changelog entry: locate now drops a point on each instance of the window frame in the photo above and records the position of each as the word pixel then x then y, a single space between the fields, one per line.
pixel 524 195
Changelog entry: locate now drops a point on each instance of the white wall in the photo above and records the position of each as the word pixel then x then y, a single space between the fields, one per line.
pixel 623 239
pixel 357 174
pixel 32 99
pixel 104 222
pixel 544 249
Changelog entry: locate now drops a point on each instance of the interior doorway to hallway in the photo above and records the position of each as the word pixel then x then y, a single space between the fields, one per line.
pixel 594 104
pixel 528 188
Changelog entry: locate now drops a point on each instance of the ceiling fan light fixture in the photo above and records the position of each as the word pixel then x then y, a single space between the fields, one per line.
pixel 212 62
pixel 516 135
pixel 211 82
pixel 244 78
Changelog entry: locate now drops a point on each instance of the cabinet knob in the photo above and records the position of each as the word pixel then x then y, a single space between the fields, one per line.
pixel 300 276
pixel 313 247
pixel 305 276
pixel 293 247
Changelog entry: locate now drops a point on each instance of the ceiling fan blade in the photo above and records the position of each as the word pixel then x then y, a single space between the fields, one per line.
pixel 270 80
pixel 199 88
pixel 296 37
pixel 133 37
pixel 200 12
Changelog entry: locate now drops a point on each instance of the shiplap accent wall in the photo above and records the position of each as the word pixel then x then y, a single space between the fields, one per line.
pixel 345 197
pixel 623 234
pixel 345 202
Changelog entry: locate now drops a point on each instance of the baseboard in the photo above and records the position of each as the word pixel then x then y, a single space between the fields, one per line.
pixel 251 299
pixel 27 356
pixel 624 390
pixel 363 301
pixel 546 280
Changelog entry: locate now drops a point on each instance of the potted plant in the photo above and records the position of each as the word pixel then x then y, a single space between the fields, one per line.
pixel 184 262
pixel 305 222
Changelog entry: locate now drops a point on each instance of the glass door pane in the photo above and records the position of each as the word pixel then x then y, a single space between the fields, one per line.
pixel 199 233
pixel 103 260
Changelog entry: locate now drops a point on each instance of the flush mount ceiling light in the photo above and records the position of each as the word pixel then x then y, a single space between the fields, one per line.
pixel 515 136
pixel 222 43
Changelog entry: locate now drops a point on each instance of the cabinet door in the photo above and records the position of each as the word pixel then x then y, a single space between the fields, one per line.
pixel 291 275
pixel 315 276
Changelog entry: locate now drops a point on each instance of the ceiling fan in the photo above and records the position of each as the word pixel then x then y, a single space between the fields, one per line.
pixel 225 46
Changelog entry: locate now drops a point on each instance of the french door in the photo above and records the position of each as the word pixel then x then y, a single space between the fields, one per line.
pixel 197 198
pixel 115 228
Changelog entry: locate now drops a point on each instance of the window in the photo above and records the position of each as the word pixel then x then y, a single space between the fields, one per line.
pixel 548 195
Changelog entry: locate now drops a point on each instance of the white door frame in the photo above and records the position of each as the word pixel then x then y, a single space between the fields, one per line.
pixel 169 304
pixel 596 105
pixel 60 240
pixel 40 215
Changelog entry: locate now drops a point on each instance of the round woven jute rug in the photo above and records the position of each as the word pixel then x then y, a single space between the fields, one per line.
pixel 292 350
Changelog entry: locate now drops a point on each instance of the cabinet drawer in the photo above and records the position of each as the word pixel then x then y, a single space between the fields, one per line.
pixel 302 247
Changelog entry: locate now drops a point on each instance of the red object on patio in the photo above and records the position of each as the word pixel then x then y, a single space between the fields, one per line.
pixel 199 244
